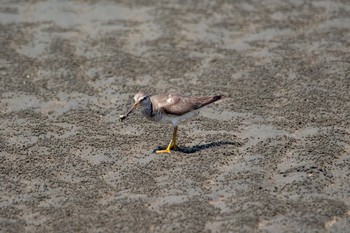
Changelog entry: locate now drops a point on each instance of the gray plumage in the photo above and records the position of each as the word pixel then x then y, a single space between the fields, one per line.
pixel 169 108
pixel 178 105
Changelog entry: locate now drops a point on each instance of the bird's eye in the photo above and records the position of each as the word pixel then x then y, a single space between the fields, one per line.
pixel 143 98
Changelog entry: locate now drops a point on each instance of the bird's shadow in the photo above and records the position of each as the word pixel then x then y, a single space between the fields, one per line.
pixel 196 148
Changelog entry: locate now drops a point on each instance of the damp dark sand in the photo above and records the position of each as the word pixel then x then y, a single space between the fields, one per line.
pixel 273 156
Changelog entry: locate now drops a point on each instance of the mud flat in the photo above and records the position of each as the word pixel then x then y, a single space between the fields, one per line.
pixel 273 156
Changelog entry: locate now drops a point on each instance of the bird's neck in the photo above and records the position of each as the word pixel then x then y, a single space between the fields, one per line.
pixel 147 110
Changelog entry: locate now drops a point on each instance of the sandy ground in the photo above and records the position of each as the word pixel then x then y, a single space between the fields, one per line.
pixel 273 156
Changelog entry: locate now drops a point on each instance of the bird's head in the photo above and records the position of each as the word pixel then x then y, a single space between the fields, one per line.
pixel 141 99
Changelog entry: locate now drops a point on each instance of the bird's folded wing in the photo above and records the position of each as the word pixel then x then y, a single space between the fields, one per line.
pixel 177 105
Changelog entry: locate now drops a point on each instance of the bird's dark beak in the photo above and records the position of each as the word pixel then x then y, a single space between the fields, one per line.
pixel 135 105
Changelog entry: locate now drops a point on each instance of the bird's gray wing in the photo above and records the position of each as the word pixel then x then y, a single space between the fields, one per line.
pixel 178 105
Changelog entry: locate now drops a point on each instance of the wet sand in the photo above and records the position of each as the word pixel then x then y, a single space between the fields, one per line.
pixel 273 156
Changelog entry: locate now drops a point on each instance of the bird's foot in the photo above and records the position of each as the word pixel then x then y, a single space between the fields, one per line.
pixel 168 149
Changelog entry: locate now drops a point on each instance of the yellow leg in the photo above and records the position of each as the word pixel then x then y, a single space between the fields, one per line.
pixel 171 145
pixel 174 138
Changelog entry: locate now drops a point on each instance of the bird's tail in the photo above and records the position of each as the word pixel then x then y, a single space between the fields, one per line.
pixel 205 100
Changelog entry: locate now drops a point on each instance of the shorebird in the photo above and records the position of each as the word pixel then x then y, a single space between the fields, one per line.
pixel 169 108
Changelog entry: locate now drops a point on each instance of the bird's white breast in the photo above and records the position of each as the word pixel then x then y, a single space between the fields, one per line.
pixel 175 120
